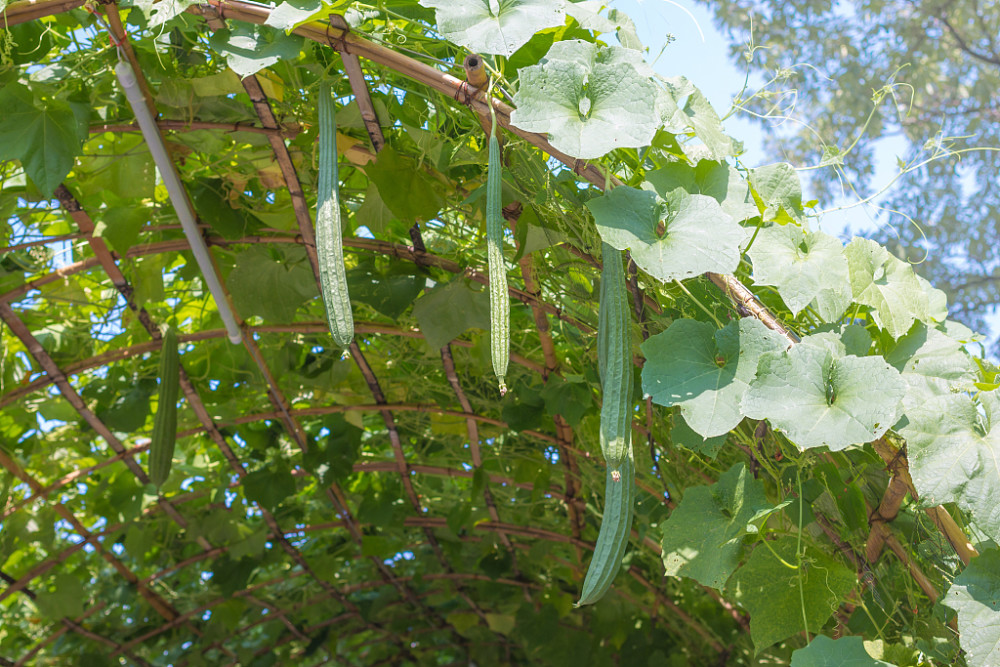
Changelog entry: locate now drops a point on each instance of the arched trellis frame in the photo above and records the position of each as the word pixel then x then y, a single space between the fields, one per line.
pixel 348 591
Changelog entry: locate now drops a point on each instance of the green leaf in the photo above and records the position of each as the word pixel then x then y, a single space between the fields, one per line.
pixel 447 311
pixel 272 283
pixel 779 192
pixel 404 187
pixel 953 446
pixel 703 538
pixel 120 227
pixel 819 397
pixel 708 126
pixel 779 597
pixel 231 575
pixel 333 460
pixel 706 370
pixel 462 621
pixel 46 139
pixel 975 595
pixel 718 180
pixel 128 413
pixel 502 624
pixel 213 207
pixel 931 363
pixel 373 214
pixel 67 599
pixel 587 14
pixel 887 284
pixel 292 13
pixel 388 289
pixel 699 236
pixel 567 396
pixel 474 25
pixel 683 435
pixel 122 165
pixel 806 267
pixel 589 99
pixel 269 486
pixel 250 48
pixel 844 652
pixel 496 562
pixel 159 12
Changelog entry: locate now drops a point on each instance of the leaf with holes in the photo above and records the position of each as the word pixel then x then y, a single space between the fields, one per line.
pixel 706 370
pixel 498 27
pixel 590 100
pixel 819 397
pixel 673 239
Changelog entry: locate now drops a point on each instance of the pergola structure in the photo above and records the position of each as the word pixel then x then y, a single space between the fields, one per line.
pixel 384 506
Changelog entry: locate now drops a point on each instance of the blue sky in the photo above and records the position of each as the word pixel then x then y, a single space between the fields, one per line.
pixel 703 54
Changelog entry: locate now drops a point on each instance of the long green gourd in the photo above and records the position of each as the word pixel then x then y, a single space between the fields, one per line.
pixel 161 447
pixel 329 237
pixel 614 360
pixel 499 298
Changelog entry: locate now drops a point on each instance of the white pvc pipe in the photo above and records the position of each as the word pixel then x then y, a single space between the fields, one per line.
pixel 178 196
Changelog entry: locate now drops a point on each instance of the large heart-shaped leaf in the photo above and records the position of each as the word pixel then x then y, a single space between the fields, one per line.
pixel 844 652
pixel 250 48
pixel 821 398
pixel 779 190
pixel 46 139
pixel 590 99
pixel 806 267
pixel 498 27
pixel 698 236
pixel 780 599
pixel 706 370
pixel 887 284
pixel 450 310
pixel 932 364
pixel 953 445
pixel 718 180
pixel 702 539
pixel 271 284
pixel 975 595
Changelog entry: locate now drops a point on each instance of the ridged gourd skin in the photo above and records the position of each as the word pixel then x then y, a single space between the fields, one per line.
pixel 161 447
pixel 499 297
pixel 614 360
pixel 619 495
pixel 329 236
